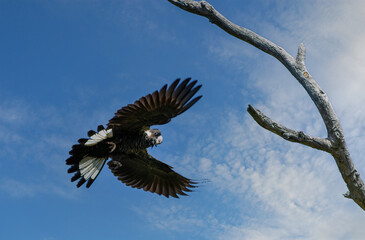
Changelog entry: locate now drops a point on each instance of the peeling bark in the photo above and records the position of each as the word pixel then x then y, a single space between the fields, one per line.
pixel 335 142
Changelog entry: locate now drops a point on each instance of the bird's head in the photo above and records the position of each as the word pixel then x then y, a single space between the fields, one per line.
pixel 154 137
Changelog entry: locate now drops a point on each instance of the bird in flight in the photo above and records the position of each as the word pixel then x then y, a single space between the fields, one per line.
pixel 126 138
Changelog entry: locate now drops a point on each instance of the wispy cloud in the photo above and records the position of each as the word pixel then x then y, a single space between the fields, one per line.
pixel 23 189
pixel 296 190
pixel 34 147
pixel 17 189
pixel 274 189
pixel 172 217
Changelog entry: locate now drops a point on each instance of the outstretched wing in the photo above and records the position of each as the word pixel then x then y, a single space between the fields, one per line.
pixel 141 170
pixel 156 108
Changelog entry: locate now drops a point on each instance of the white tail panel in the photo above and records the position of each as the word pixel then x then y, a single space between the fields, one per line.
pixel 99 136
pixel 90 167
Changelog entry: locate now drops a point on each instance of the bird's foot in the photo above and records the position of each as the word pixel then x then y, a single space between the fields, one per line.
pixel 112 146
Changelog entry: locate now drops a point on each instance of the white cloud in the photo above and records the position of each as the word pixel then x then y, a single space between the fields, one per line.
pixel 205 164
pixel 23 189
pixel 296 190
pixel 174 217
pixel 17 189
pixel 32 137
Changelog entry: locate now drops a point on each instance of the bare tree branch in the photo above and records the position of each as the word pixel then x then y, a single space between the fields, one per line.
pixel 288 134
pixel 335 142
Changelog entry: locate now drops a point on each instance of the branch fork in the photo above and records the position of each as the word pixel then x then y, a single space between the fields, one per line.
pixel 335 143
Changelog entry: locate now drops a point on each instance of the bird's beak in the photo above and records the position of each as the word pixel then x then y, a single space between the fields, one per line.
pixel 158 140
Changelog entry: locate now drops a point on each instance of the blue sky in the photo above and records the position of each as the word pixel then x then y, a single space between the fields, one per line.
pixel 67 66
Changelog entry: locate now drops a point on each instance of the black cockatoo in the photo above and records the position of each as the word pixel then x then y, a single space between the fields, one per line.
pixel 126 138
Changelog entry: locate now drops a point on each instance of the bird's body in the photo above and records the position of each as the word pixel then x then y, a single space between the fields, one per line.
pixel 126 139
pixel 127 142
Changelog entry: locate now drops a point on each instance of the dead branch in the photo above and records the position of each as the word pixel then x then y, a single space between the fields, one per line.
pixel 335 142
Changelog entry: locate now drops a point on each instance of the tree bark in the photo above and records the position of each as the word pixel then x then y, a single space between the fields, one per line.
pixel 335 142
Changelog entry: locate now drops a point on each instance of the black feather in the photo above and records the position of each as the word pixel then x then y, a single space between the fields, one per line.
pixel 71 160
pixel 180 88
pixel 191 103
pixel 76 176
pixel 89 182
pixel 171 89
pixel 82 181
pixel 82 140
pixel 186 91
pixel 189 95
pixel 90 133
pixel 72 169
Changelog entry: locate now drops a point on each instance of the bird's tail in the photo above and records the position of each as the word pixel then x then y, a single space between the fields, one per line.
pixel 89 156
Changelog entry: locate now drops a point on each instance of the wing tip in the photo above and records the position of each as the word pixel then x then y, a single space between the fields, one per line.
pixel 81 182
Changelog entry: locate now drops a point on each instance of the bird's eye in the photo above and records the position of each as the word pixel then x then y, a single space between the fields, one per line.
pixel 156 134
